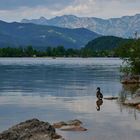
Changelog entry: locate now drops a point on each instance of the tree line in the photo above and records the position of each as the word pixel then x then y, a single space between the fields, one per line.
pixel 128 51
pixel 58 51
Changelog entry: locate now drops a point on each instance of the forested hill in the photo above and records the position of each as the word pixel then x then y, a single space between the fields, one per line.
pixel 105 43
pixel 41 36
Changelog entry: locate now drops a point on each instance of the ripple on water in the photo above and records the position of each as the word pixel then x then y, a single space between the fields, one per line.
pixel 64 89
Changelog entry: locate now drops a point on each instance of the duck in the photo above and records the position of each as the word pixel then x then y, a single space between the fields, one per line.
pixel 99 95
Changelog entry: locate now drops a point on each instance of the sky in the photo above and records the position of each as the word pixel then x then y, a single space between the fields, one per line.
pixel 15 10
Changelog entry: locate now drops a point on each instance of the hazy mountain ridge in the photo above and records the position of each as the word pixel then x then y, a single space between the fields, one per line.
pixel 40 36
pixel 121 27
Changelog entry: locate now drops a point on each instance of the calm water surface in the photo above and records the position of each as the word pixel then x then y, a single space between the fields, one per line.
pixel 64 89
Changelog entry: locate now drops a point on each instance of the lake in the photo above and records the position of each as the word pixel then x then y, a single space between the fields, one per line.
pixel 63 89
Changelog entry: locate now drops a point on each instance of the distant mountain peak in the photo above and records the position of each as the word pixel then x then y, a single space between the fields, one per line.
pixel 42 18
pixel 70 16
pixel 121 27
pixel 65 17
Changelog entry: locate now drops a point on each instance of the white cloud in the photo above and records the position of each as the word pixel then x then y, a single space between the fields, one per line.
pixel 90 8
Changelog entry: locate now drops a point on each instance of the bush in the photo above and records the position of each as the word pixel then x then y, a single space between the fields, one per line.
pixel 130 53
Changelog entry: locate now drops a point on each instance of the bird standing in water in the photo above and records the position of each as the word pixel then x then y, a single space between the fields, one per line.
pixel 99 101
pixel 99 95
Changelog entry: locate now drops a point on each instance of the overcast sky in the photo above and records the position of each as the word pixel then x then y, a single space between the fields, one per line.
pixel 15 10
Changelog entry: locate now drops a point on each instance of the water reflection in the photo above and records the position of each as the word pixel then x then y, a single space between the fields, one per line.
pixel 62 89
pixel 99 102
pixel 130 88
pixel 128 91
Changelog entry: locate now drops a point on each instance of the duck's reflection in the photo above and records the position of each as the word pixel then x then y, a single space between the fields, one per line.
pixel 99 102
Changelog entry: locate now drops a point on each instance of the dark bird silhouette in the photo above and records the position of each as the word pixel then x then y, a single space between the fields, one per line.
pixel 99 95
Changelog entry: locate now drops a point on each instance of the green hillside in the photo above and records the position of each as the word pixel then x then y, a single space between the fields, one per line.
pixel 40 36
pixel 105 43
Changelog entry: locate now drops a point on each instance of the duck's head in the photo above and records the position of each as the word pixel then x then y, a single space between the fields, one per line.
pixel 98 88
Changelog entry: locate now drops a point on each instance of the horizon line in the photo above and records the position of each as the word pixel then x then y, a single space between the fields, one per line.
pixel 71 15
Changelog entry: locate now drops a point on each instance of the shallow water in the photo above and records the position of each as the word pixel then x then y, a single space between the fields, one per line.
pixel 64 89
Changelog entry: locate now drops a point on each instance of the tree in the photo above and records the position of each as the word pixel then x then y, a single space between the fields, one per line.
pixel 49 51
pixel 29 51
pixel 130 53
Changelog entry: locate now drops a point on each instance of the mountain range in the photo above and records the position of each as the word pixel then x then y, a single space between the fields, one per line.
pixel 41 36
pixel 124 27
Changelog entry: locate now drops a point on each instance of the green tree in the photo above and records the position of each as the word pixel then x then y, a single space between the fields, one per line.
pixel 49 51
pixel 29 51
pixel 87 52
pixel 60 51
pixel 70 52
pixel 130 53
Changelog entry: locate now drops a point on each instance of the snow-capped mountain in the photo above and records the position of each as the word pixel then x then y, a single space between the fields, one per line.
pixel 122 27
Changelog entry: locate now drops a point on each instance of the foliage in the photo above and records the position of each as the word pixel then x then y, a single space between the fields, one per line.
pixel 58 51
pixel 105 43
pixel 130 53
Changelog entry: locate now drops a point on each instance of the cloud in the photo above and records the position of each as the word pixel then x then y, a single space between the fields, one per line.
pixel 15 4
pixel 18 9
